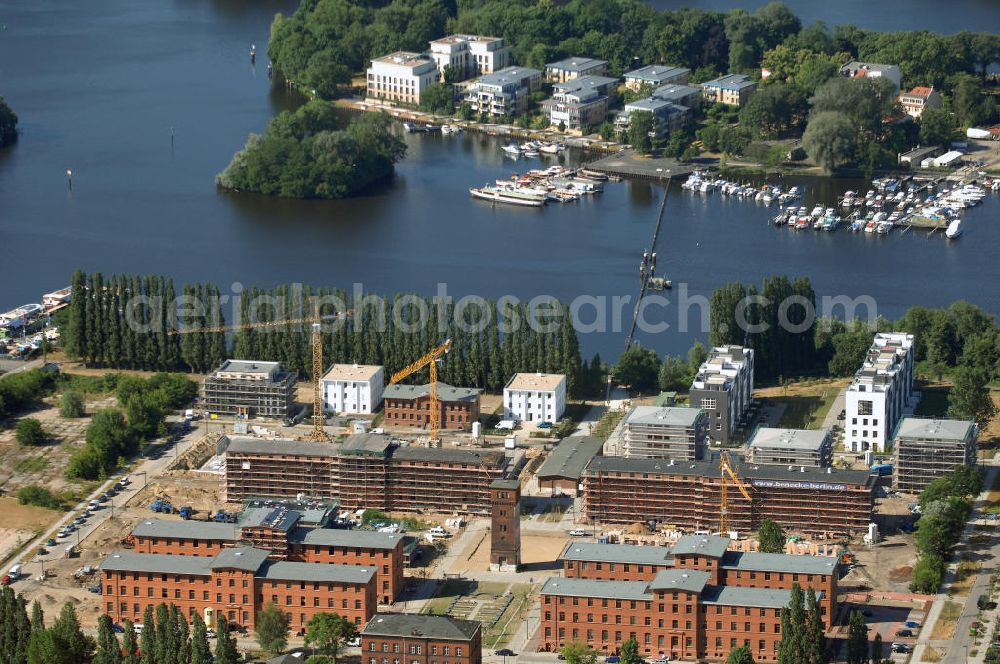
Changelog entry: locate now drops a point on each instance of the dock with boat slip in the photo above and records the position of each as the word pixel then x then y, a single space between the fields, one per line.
pixel 628 164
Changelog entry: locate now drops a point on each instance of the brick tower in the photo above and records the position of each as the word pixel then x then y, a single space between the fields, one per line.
pixel 505 531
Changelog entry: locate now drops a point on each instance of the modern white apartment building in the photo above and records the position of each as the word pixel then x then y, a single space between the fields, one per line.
pixel 723 387
pixel 401 76
pixel 857 69
pixel 534 397
pixel 504 92
pixel 470 54
pixel 881 392
pixel 570 68
pixel 667 115
pixel 353 388
pixel 580 103
pixel 655 76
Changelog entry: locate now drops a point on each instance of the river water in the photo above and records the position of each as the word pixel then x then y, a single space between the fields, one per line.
pixel 145 102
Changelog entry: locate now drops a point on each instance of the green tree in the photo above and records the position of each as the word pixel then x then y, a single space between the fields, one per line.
pixel 71 404
pixel 815 641
pixel 43 649
pixel 108 648
pixel 438 98
pixel 970 398
pixel 271 628
pixel 674 374
pixel 829 139
pixel 147 638
pixel 936 126
pixel 630 652
pixel 578 652
pixel 8 124
pixel 225 644
pixel 72 644
pixel 877 653
pixel 857 639
pixel 327 631
pixel 773 109
pixel 740 655
pixel 200 652
pixel 640 126
pixel 771 537
pixel 130 647
pixel 638 368
pixel 697 355
pixel 29 432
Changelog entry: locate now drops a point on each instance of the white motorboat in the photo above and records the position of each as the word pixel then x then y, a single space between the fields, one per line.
pixel 954 229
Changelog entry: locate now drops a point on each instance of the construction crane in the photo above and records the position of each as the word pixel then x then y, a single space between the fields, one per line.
pixel 428 360
pixel 726 470
pixel 315 321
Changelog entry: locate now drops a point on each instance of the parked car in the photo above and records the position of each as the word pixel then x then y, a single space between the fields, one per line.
pixel 904 632
pixel 663 659
pixel 578 532
pixel 50 542
pixel 911 624
pixel 504 652
pixel 117 629
pixel 900 648
pixel 613 659
pixel 545 425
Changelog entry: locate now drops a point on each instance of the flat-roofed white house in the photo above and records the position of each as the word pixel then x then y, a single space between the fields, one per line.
pixel 535 397
pixel 580 103
pixel 858 69
pixel 505 92
pixel 353 388
pixel 470 55
pixel 575 67
pixel 401 76
pixel 655 76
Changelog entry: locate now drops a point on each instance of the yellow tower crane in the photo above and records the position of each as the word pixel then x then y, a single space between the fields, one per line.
pixel 315 321
pixel 428 360
pixel 726 470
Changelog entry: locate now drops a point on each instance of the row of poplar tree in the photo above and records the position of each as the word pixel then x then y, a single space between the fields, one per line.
pixel 127 322
pixel 166 637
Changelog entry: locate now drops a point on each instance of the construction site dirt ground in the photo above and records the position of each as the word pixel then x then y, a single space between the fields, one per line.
pixel 539 551
pixel 182 488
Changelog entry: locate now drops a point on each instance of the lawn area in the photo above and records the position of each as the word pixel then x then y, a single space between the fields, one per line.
pixel 933 403
pixel 944 628
pixel 965 576
pixel 498 635
pixel 452 588
pixel 607 423
pixel 931 654
pixel 993 497
pixel 806 411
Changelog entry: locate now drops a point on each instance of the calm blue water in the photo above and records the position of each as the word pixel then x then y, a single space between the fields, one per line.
pixel 100 85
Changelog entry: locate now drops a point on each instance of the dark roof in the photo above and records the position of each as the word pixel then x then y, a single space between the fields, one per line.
pixel 412 624
pixel 361 539
pixel 573 587
pixel 445 392
pixel 199 530
pixel 618 553
pixel 750 597
pixel 366 443
pixel 248 445
pixel 505 484
pixel 712 546
pixel 156 563
pixel 758 475
pixel 282 570
pixel 245 558
pixel 278 518
pixel 688 580
pixel 570 457
pixel 779 562
pixel 446 455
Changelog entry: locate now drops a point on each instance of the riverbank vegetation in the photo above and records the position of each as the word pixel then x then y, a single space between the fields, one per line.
pixel 8 124
pixel 311 153
pixel 842 123
pixel 126 326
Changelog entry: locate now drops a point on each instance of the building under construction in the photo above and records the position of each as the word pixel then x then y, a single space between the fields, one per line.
pixel 365 471
pixel 926 449
pixel 688 495
pixel 251 389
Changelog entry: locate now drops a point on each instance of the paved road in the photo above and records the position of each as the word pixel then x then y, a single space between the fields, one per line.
pixel 144 472
pixel 962 642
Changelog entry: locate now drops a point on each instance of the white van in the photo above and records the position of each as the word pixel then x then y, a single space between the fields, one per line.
pixel 15 572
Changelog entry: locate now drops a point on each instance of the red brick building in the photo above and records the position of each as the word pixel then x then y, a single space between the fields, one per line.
pixel 409 406
pixel 396 638
pixel 687 495
pixel 696 600
pixel 381 551
pixel 365 471
pixel 236 583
